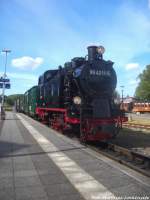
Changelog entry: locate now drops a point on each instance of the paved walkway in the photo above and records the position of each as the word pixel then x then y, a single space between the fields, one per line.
pixel 36 164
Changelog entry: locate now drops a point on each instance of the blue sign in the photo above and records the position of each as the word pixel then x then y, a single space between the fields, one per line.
pixel 4 80
pixel 6 85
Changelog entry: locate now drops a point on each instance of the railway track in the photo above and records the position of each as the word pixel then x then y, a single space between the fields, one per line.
pixel 134 159
pixel 139 127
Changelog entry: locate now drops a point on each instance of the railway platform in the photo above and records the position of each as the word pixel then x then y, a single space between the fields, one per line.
pixel 38 164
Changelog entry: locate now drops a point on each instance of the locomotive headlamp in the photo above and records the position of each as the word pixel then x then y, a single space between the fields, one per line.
pixel 100 50
pixel 77 100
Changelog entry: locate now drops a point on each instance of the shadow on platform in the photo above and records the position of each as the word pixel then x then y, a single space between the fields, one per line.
pixel 9 149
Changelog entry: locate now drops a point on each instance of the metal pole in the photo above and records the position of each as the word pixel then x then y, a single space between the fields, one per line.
pixel 4 76
pixel 122 86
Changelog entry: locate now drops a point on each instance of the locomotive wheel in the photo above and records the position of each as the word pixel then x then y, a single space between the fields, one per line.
pixel 83 131
pixel 56 122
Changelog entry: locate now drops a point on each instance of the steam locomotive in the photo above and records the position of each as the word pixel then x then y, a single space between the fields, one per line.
pixel 78 97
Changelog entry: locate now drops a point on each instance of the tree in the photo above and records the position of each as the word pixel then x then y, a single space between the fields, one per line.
pixel 10 100
pixel 143 89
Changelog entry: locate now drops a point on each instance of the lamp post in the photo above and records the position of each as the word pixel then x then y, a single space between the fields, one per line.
pixel 122 87
pixel 6 51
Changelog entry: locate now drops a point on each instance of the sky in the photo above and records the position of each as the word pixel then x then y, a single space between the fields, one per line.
pixel 43 34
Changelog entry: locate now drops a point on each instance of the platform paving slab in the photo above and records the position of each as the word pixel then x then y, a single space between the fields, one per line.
pixel 25 173
pixel 60 189
pixel 7 194
pixel 6 183
pixel 30 192
pixel 27 181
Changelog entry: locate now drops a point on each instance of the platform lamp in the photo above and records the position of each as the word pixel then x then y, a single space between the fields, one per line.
pixel 6 51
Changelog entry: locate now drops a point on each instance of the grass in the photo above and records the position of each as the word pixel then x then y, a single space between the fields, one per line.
pixel 8 108
pixel 139 121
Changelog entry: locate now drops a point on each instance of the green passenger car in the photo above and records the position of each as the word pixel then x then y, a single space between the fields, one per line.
pixel 30 101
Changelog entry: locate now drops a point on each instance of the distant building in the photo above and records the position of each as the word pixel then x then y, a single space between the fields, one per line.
pixel 128 99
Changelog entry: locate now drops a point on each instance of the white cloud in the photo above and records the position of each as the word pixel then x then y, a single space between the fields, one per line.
pixel 27 62
pixel 131 66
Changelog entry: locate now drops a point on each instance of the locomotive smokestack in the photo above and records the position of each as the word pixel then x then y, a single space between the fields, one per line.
pixel 92 53
pixel 95 53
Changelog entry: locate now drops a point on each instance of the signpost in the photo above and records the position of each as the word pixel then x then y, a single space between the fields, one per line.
pixel 4 79
pixel 4 84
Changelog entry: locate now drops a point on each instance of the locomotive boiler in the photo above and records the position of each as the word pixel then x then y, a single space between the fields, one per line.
pixel 80 97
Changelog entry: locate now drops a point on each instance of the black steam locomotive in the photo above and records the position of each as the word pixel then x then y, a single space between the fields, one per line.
pixel 80 96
